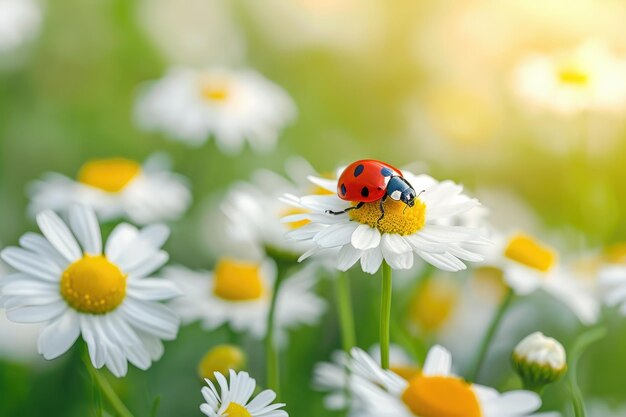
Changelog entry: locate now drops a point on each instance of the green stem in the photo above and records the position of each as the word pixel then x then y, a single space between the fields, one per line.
pixel 107 391
pixel 583 342
pixel 488 338
pixel 346 316
pixel 271 352
pixel 385 315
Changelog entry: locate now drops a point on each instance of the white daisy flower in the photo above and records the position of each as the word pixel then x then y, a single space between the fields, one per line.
pixel 613 279
pixel 21 345
pixel 588 78
pixel 333 377
pixel 239 293
pixel 116 187
pixel 233 106
pixel 248 222
pixel 529 265
pixel 81 290
pixel 436 392
pixel 403 232
pixel 233 398
pixel 20 21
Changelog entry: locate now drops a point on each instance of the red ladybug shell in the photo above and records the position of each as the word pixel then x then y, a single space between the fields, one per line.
pixel 365 180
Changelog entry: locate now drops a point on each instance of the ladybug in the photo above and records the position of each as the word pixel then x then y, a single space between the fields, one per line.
pixel 369 180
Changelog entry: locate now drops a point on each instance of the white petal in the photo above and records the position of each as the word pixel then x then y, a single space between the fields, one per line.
pixel 59 235
pixel 152 289
pixel 86 228
pixel 438 362
pixel 32 264
pixel 335 235
pixel 365 237
pixel 156 234
pixel 371 260
pixel 38 244
pixel 118 241
pixel 58 336
pixel 347 257
pixel 36 314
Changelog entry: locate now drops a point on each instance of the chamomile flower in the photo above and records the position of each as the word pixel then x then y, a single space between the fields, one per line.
pixel 233 106
pixel 249 217
pixel 529 265
pixel 588 78
pixel 239 293
pixel 333 377
pixel 613 279
pixel 20 21
pixel 233 398
pixel 68 282
pixel 403 233
pixel 435 392
pixel 116 187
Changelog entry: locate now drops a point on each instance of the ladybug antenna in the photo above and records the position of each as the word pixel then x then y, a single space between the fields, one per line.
pixel 420 193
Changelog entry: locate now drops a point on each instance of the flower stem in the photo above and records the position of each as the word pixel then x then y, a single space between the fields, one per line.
pixel 385 315
pixel 346 317
pixel 107 391
pixel 488 338
pixel 583 342
pixel 271 352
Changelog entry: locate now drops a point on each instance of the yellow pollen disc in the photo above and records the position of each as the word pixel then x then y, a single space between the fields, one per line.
pixel 527 251
pixel 298 224
pixel 238 280
pixel 433 304
pixel 407 372
pixel 236 410
pixel 616 254
pixel 573 76
pixel 110 175
pixel 93 285
pixel 437 396
pixel 221 359
pixel 214 89
pixel 399 218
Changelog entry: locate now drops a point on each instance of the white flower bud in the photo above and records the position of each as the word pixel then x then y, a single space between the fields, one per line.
pixel 539 360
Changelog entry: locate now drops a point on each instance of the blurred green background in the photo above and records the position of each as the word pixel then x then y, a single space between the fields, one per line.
pixel 68 97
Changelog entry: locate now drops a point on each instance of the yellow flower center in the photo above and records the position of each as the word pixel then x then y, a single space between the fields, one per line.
pixel 616 254
pixel 214 89
pixel 110 175
pixel 527 251
pixel 399 218
pixel 573 76
pixel 437 396
pixel 221 359
pixel 297 224
pixel 238 280
pixel 236 410
pixel 433 303
pixel 93 285
pixel 407 372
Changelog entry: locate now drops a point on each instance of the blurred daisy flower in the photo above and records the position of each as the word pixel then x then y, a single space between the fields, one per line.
pixel 116 187
pixel 613 281
pixel 434 392
pixel 233 106
pixel 233 398
pixel 588 78
pixel 403 232
pixel 239 293
pixel 79 290
pixel 529 265
pixel 20 21
pixel 333 377
pixel 249 217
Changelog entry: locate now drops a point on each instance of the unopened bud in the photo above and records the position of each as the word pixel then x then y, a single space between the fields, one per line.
pixel 539 361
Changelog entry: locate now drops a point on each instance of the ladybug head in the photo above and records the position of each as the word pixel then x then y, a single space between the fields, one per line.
pixel 408 197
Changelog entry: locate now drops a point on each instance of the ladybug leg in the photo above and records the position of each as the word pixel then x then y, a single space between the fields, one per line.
pixel 382 209
pixel 358 206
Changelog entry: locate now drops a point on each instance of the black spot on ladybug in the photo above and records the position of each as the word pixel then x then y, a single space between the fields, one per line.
pixel 358 170
pixel 365 192
pixel 343 189
pixel 386 172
